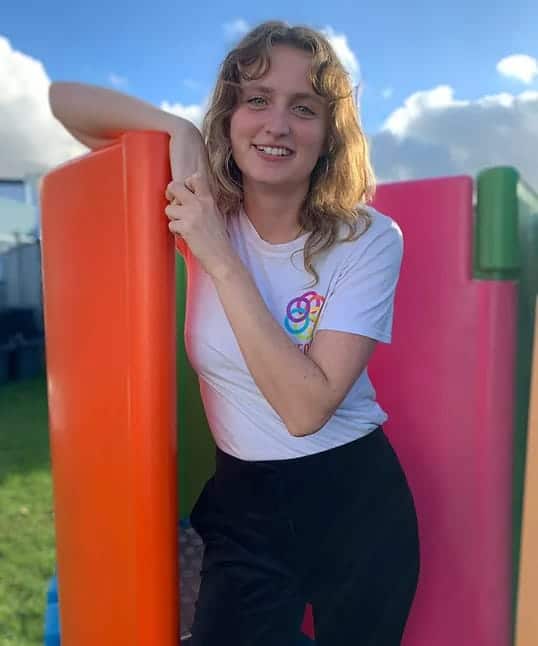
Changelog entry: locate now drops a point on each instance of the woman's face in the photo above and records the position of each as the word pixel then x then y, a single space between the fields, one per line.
pixel 279 126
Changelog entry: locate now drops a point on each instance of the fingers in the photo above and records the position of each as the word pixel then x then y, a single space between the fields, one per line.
pixel 173 213
pixel 197 184
pixel 181 194
pixel 173 191
pixel 175 227
pixel 187 195
pixel 175 224
pixel 169 192
pixel 191 184
pixel 194 184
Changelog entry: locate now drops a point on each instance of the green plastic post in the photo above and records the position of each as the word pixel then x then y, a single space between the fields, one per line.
pixel 496 233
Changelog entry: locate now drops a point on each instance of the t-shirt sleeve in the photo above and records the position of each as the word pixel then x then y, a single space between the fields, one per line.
pixel 361 299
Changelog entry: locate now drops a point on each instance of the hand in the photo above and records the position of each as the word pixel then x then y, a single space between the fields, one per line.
pixel 194 216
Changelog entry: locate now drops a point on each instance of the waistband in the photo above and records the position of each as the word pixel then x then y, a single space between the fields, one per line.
pixel 307 480
pixel 225 459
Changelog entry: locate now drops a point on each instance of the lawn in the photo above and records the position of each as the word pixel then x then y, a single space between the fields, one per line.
pixel 27 554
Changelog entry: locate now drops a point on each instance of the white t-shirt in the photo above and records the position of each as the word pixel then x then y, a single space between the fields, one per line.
pixel 354 294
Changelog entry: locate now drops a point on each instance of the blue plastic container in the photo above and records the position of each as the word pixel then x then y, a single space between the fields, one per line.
pixel 52 615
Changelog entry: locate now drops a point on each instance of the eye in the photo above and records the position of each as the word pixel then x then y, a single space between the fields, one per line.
pixel 256 101
pixel 303 109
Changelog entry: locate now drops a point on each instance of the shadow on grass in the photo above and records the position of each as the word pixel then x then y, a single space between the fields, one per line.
pixel 24 435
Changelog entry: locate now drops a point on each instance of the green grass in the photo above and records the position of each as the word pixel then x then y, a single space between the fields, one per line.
pixel 27 553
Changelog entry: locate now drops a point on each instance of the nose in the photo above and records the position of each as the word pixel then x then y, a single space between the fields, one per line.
pixel 277 123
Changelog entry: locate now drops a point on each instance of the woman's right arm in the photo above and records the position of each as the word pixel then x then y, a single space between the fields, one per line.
pixel 98 116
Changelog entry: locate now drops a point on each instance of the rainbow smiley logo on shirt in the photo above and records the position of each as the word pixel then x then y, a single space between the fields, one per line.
pixel 301 316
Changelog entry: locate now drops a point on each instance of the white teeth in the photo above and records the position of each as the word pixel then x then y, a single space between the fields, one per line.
pixel 279 152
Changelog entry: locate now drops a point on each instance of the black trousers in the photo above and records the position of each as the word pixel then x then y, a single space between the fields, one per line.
pixel 337 529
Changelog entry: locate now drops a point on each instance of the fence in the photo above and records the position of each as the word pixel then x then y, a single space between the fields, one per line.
pixel 21 312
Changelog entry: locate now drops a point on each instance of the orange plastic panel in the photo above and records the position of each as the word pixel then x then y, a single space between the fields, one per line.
pixel 527 617
pixel 108 276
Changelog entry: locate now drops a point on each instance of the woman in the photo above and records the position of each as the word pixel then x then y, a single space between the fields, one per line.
pixel 291 285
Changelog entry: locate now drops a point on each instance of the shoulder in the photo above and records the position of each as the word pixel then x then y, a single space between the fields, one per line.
pixel 381 234
pixel 380 226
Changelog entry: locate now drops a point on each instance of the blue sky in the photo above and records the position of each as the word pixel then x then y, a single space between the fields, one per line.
pixel 171 50
pixel 441 90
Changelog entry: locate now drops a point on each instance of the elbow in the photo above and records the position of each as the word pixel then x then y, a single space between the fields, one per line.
pixel 308 424
pixel 65 100
pixel 56 98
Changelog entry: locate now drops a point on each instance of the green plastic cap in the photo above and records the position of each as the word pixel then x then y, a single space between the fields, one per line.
pixel 497 248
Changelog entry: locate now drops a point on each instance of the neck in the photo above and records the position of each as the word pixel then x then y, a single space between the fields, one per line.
pixel 274 213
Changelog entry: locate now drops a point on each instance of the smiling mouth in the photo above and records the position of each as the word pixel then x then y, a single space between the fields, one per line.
pixel 274 151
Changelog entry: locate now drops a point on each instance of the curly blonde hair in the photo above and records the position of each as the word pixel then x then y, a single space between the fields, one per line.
pixel 342 180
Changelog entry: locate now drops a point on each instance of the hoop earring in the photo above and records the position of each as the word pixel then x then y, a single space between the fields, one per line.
pixel 227 160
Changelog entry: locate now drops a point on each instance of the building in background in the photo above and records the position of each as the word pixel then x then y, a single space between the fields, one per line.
pixel 20 249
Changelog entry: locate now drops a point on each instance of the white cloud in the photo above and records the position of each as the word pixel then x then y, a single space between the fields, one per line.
pixel 117 80
pixel 236 28
pixel 194 112
pixel 435 134
pixel 32 141
pixel 344 53
pixel 519 66
pixel 431 133
pixel 419 103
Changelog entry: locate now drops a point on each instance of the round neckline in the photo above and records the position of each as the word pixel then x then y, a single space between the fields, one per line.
pixel 277 248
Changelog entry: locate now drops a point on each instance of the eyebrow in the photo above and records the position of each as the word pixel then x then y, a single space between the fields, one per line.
pixel 298 95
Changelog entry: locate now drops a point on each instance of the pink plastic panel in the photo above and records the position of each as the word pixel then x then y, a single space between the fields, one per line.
pixel 447 383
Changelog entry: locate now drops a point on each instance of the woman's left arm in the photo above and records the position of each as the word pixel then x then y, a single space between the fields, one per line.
pixel 304 390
